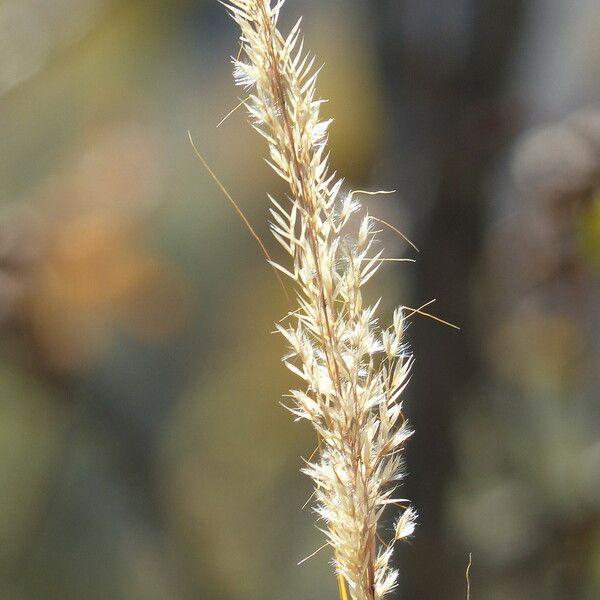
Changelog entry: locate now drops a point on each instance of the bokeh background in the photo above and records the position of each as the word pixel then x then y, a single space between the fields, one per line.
pixel 143 451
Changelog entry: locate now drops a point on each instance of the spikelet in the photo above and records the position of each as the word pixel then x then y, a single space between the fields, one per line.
pixel 353 370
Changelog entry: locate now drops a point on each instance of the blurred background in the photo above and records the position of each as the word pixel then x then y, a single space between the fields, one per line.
pixel 143 450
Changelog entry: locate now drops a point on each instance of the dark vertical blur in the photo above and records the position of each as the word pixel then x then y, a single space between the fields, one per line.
pixel 444 71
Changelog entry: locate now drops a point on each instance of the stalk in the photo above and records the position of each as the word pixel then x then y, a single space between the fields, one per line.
pixel 353 369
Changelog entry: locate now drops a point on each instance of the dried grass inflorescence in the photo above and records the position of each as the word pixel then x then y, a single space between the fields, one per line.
pixel 354 370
